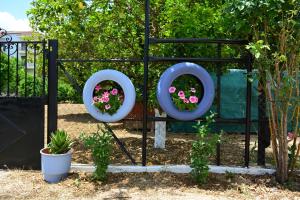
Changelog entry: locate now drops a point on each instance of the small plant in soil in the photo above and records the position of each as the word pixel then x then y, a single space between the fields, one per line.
pixel 202 149
pixel 60 142
pixel 100 143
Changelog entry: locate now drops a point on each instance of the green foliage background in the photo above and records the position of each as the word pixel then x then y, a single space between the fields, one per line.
pixel 115 29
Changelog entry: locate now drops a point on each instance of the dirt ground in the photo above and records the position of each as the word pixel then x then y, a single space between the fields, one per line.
pixel 75 120
pixel 20 184
pixel 30 185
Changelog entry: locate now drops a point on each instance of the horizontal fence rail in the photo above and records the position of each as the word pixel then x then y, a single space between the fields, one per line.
pixel 196 40
pixel 112 60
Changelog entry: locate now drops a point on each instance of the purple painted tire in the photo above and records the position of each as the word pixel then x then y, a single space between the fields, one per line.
pixel 166 81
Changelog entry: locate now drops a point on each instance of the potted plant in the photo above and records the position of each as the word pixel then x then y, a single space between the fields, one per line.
pixel 56 157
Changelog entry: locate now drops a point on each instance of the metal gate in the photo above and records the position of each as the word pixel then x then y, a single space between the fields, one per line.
pixel 23 96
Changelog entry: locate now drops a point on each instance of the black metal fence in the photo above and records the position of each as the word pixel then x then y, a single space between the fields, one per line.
pixel 23 68
pixel 245 61
pixel 23 95
pixel 33 72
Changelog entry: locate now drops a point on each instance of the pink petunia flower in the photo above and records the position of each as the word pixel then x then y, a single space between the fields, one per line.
pixel 100 100
pixel 182 97
pixel 105 99
pixel 181 93
pixel 186 100
pixel 193 99
pixel 172 89
pixel 97 88
pixel 105 94
pixel 114 91
pixel 107 107
pixel 193 90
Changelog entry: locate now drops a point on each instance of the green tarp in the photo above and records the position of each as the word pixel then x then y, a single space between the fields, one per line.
pixel 233 103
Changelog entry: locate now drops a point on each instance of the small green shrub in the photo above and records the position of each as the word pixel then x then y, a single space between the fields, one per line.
pixel 100 143
pixel 7 76
pixel 60 142
pixel 65 92
pixel 30 87
pixel 203 148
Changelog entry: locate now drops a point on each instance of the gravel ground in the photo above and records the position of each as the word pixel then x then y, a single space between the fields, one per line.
pixel 75 120
pixel 29 185
pixel 18 184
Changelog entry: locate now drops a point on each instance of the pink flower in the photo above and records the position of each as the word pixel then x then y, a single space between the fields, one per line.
pixel 193 90
pixel 114 91
pixel 182 97
pixel 193 99
pixel 97 88
pixel 97 99
pixel 186 100
pixel 105 94
pixel 105 99
pixel 100 100
pixel 181 94
pixel 107 106
pixel 172 89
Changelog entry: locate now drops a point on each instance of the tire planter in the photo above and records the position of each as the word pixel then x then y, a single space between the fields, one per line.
pixel 166 80
pixel 123 81
pixel 55 167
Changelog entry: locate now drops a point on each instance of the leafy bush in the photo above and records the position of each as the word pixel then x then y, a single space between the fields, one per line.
pixel 275 44
pixel 203 148
pixel 60 142
pixel 65 92
pixel 118 32
pixel 28 86
pixel 6 79
pixel 100 143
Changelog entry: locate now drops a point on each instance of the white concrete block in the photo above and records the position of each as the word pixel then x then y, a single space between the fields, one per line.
pixel 160 131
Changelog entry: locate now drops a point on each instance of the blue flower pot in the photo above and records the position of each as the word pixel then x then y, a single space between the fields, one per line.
pixel 55 167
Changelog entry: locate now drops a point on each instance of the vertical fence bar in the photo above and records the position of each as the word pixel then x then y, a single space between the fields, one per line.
pixel 34 69
pixel 52 87
pixel 8 66
pixel 25 65
pixel 219 71
pixel 248 109
pixel 0 69
pixel 17 71
pixel 263 136
pixel 145 86
pixel 44 65
pixel 261 124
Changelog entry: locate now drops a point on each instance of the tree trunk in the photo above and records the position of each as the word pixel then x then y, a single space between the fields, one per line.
pixel 282 168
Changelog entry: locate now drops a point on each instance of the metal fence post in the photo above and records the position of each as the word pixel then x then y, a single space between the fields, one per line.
pixel 145 87
pixel 219 73
pixel 263 124
pixel 248 109
pixel 52 87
